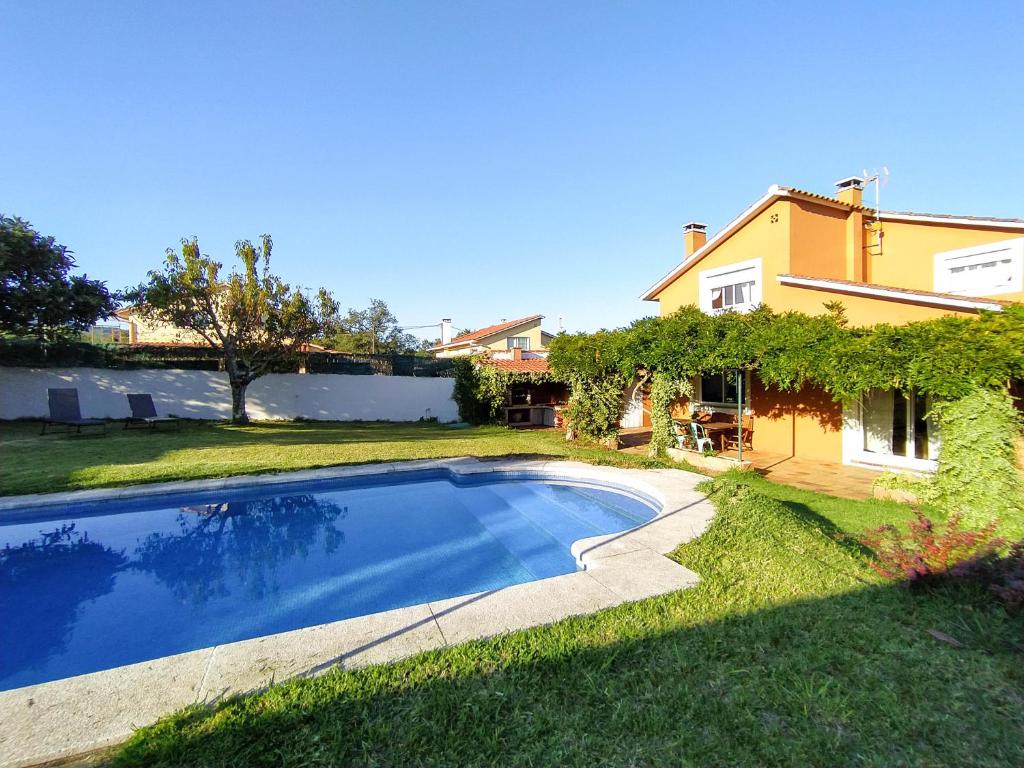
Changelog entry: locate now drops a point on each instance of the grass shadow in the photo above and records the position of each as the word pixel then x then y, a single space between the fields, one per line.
pixel 849 679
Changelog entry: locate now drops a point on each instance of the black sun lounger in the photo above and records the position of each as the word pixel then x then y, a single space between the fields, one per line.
pixel 65 412
pixel 144 412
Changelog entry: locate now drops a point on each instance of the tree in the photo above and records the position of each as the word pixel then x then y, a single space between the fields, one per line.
pixel 37 295
pixel 373 330
pixel 256 321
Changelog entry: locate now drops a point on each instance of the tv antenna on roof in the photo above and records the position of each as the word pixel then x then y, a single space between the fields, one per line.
pixel 879 179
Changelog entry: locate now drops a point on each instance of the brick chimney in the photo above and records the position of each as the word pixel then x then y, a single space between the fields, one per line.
pixel 517 354
pixel 446 331
pixel 695 235
pixel 850 190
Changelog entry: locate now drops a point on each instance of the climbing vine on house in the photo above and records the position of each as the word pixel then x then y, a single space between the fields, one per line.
pixel 963 365
pixel 597 369
pixel 977 478
pixel 665 390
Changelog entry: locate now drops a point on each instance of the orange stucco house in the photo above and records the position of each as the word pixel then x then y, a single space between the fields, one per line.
pixel 796 250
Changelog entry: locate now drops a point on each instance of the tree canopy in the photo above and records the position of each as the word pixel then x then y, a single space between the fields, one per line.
pixel 38 295
pixel 372 330
pixel 256 320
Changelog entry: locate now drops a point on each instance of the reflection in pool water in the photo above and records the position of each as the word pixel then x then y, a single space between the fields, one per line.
pixel 99 589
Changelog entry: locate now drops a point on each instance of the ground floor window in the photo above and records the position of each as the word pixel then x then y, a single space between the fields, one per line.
pixel 895 422
pixel 719 389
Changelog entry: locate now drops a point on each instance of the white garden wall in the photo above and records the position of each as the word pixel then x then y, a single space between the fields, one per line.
pixel 206 395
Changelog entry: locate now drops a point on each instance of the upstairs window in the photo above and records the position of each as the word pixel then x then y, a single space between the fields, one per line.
pixel 736 296
pixel 735 287
pixel 519 342
pixel 983 270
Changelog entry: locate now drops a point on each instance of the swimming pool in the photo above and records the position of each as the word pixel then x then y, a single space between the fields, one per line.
pixel 94 586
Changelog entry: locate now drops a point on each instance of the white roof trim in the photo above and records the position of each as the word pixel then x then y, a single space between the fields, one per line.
pixel 880 292
pixel 773 191
pixel 964 221
pixel 776 191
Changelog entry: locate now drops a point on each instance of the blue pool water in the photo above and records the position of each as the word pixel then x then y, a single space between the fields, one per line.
pixel 93 587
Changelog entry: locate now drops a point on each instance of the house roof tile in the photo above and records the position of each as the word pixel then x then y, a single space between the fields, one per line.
pixel 536 365
pixel 493 329
pixel 490 330
pixel 838 285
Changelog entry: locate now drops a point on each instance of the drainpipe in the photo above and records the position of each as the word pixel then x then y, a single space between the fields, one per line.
pixel 739 415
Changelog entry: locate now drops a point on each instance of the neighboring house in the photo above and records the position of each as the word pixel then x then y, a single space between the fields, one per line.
pixel 796 250
pixel 517 346
pixel 142 331
pixel 524 333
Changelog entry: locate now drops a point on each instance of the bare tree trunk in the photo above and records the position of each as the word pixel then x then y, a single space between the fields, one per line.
pixel 238 414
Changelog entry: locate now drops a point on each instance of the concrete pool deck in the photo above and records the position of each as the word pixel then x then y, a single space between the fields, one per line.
pixel 68 717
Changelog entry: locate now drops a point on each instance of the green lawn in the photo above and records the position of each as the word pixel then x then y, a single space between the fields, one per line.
pixel 39 464
pixel 789 652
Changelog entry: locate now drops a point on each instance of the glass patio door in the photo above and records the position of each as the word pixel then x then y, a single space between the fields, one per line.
pixel 894 423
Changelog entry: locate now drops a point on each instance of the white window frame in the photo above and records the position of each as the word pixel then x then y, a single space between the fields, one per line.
pixel 946 281
pixel 731 274
pixel 510 345
pixel 855 454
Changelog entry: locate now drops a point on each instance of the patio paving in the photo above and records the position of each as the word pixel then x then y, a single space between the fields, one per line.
pixel 809 474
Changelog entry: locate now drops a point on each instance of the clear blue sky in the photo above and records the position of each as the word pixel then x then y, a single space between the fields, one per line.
pixel 488 160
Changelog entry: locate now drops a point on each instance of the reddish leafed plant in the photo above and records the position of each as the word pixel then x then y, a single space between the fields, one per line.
pixel 928 551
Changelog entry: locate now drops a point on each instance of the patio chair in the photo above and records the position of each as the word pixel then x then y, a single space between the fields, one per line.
pixel 680 433
pixel 731 439
pixel 65 411
pixel 144 412
pixel 700 437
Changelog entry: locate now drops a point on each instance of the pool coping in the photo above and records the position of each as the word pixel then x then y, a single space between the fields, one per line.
pixel 64 718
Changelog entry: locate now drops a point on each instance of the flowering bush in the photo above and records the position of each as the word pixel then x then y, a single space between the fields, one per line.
pixel 926 551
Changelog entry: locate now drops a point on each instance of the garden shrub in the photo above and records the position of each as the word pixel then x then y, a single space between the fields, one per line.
pixel 931 555
pixel 928 551
pixel 978 475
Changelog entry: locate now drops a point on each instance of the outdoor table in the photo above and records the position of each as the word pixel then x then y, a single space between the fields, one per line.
pixel 715 429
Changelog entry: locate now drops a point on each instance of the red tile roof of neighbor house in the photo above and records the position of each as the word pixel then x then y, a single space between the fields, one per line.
pixel 493 329
pixel 533 365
